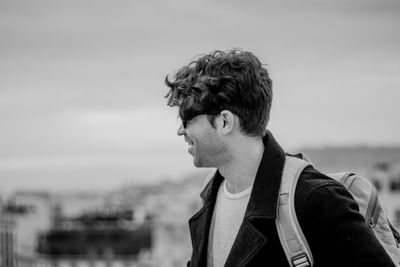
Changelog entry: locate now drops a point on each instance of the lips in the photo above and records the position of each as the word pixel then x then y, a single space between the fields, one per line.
pixel 190 143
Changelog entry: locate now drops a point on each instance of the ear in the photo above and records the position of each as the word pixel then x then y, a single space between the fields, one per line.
pixel 228 121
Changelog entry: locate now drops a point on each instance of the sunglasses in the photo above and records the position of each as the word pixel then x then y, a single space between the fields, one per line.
pixel 185 121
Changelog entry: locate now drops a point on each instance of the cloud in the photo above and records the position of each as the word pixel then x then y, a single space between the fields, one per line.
pixel 107 146
pixel 82 81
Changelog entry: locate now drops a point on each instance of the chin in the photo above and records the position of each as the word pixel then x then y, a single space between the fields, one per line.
pixel 197 163
pixel 202 164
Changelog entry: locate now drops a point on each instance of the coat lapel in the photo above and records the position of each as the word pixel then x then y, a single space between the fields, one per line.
pixel 262 204
pixel 199 224
pixel 247 243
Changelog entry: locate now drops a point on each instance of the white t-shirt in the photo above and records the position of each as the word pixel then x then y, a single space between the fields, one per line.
pixel 227 217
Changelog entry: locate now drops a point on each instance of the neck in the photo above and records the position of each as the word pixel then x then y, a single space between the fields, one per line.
pixel 240 171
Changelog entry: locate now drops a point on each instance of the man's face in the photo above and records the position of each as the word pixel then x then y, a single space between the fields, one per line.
pixel 205 144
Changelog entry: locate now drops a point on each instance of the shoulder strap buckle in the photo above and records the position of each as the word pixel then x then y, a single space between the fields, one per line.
pixel 301 260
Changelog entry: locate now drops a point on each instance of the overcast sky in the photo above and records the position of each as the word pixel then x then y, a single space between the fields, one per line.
pixel 81 82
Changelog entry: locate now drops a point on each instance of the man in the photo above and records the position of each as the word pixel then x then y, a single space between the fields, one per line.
pixel 224 100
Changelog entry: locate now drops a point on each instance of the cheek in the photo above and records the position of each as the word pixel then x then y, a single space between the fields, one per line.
pixel 214 146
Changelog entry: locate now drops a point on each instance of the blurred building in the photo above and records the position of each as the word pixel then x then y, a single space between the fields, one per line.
pixel 13 253
pixel 7 240
pixel 37 218
pixel 386 178
pixel 107 238
pixel 172 209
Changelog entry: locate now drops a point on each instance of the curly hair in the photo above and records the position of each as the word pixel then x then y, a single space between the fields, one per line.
pixel 233 80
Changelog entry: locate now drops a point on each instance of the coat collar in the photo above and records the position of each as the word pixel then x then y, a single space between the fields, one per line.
pixel 264 197
pixel 262 205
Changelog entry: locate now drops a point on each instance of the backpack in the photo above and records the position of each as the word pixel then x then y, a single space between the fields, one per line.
pixel 290 234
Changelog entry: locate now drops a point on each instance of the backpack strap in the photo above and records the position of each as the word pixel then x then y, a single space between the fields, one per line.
pixel 290 234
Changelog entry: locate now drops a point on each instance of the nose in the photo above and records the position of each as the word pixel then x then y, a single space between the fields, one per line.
pixel 181 130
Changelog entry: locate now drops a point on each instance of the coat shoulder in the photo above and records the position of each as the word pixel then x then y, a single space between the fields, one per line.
pixel 312 183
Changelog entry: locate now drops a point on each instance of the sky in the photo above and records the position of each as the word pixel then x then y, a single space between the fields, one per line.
pixel 82 82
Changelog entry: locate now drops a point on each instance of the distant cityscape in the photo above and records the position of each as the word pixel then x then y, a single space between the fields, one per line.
pixel 143 226
pixel 135 226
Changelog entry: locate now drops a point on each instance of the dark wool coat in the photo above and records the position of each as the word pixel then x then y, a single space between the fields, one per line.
pixel 335 230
